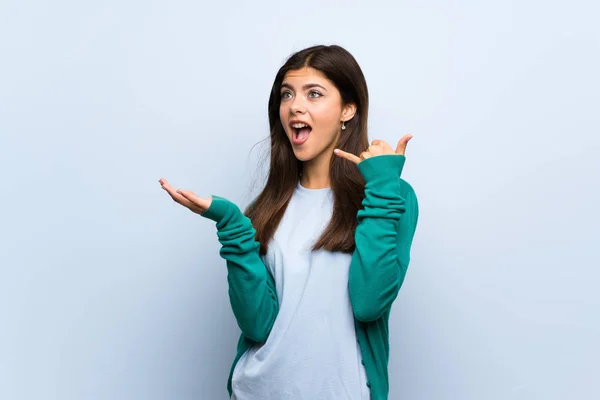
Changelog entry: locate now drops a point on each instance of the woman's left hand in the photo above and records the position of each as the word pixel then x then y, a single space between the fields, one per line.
pixel 377 148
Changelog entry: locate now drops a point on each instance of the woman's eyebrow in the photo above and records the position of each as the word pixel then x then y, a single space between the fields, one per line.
pixel 305 87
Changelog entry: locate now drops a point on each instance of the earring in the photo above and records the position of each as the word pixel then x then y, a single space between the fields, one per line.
pixel 343 126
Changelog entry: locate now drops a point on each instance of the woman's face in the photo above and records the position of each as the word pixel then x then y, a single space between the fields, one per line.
pixel 311 113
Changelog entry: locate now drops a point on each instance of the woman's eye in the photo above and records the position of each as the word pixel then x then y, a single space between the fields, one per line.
pixel 286 95
pixel 314 94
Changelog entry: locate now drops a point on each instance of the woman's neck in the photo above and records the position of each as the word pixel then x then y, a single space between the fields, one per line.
pixel 315 174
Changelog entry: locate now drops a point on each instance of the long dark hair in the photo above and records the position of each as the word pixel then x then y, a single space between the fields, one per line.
pixel 347 183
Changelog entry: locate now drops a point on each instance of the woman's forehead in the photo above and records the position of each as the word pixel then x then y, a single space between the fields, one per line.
pixel 305 74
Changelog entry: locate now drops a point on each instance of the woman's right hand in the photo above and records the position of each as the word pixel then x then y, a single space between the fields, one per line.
pixel 187 198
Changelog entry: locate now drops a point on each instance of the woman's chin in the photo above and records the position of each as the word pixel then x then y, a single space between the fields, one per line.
pixel 303 156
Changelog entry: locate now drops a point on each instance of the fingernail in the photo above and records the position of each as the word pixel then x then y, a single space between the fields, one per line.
pixel 336 151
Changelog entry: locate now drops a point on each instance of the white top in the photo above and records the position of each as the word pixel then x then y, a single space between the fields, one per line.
pixel 312 351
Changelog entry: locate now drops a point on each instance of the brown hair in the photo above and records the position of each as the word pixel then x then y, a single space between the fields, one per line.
pixel 347 183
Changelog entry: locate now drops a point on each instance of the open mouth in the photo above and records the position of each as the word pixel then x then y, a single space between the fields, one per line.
pixel 300 132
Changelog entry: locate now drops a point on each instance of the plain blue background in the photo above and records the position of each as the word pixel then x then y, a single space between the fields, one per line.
pixel 109 290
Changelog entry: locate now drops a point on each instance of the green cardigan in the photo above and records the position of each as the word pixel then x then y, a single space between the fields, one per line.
pixel 383 237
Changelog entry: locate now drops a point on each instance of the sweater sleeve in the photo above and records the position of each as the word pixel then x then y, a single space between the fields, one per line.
pixel 251 287
pixel 383 237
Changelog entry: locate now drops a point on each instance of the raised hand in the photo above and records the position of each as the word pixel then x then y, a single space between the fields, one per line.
pixel 187 198
pixel 377 148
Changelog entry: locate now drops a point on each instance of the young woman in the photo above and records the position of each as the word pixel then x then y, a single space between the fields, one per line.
pixel 317 259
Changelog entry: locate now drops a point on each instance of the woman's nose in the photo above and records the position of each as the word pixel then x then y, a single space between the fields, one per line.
pixel 298 105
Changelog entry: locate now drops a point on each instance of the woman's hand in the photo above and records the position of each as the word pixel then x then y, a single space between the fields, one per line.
pixel 187 198
pixel 377 148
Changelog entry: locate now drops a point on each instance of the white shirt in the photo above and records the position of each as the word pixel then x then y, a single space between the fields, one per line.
pixel 312 352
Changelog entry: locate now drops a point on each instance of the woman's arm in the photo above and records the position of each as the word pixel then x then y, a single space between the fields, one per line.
pixel 251 287
pixel 386 226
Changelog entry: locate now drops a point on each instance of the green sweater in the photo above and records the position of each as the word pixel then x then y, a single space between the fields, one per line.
pixel 386 226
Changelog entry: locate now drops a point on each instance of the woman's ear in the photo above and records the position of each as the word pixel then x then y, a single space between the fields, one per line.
pixel 348 112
